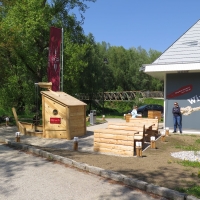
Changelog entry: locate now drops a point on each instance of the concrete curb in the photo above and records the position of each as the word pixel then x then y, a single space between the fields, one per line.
pixel 165 192
pixel 151 188
pixel 191 198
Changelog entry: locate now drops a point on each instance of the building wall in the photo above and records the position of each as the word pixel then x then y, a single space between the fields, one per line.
pixel 184 89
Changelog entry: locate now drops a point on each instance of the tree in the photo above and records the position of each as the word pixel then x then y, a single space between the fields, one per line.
pixel 24 40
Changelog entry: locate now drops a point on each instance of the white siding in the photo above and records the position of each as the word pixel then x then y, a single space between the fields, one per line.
pixel 185 50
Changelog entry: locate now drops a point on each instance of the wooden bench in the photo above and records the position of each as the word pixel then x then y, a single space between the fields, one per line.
pixel 140 129
pixel 147 133
pixel 128 126
pixel 121 142
pixel 28 129
pixel 146 121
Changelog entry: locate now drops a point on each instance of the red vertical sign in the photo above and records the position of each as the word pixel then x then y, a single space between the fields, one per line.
pixel 54 58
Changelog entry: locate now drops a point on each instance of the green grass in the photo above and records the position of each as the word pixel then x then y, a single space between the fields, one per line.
pixel 188 163
pixel 193 135
pixel 197 141
pixel 187 148
pixel 195 190
pixel 154 101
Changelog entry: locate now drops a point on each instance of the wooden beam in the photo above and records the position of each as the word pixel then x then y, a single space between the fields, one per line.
pixel 113 146
pixel 45 85
pixel 117 132
pixel 116 137
pixel 114 151
pixel 15 116
pixel 113 141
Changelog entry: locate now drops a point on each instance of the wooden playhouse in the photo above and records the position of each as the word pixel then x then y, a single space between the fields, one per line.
pixel 63 116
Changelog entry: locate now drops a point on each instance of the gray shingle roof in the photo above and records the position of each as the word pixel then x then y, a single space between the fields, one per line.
pixel 186 49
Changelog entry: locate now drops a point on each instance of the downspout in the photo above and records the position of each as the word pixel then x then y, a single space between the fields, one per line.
pixel 165 114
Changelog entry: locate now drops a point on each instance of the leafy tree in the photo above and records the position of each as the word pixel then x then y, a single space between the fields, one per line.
pixel 75 63
pixel 24 41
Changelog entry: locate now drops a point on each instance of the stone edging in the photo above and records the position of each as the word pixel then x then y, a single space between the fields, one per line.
pixel 151 188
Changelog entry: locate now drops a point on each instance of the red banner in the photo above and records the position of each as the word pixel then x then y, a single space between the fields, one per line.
pixel 54 58
pixel 180 91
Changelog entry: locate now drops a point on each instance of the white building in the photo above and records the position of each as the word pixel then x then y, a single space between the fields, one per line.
pixel 179 67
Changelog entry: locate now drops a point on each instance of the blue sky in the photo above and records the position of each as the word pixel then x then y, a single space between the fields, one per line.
pixel 154 24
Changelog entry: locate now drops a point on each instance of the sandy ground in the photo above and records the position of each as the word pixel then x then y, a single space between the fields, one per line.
pixel 156 165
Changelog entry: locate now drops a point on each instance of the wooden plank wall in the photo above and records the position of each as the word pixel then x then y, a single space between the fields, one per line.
pixel 117 142
pixel 77 121
pixel 146 121
pixel 54 130
pixel 152 114
pixel 127 117
pixel 73 122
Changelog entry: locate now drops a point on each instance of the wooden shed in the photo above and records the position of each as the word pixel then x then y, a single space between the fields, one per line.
pixel 63 116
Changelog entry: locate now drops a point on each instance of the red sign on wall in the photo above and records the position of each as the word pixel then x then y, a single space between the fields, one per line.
pixel 180 91
pixel 55 120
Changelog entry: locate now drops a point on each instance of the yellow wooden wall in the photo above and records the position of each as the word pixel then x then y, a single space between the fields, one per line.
pixel 152 114
pixel 73 120
pixel 117 142
pixel 77 120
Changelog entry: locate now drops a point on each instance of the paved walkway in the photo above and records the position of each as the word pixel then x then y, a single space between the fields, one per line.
pixel 85 142
pixel 24 176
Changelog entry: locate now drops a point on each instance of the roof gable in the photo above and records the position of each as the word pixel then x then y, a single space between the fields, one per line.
pixel 184 50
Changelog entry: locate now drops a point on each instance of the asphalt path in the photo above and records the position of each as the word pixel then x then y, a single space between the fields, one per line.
pixel 24 176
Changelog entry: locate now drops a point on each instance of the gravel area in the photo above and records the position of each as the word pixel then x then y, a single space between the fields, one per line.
pixel 187 155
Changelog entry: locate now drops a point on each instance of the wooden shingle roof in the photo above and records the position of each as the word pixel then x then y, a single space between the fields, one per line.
pixel 62 98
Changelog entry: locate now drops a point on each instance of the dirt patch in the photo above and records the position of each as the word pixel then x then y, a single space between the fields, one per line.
pixel 156 166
